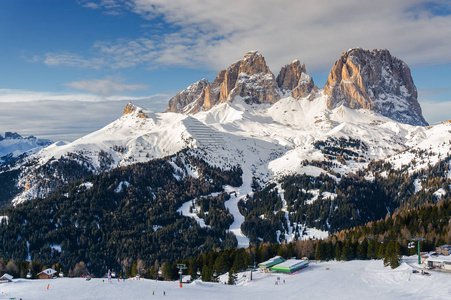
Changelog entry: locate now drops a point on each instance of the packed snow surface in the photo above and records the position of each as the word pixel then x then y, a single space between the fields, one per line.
pixel 327 280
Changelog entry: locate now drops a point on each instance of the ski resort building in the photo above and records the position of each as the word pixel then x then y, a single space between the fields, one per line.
pixel 271 262
pixel 46 274
pixel 290 266
pixel 439 261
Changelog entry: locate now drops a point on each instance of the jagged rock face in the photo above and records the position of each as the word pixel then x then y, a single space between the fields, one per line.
pixel 294 78
pixel 190 98
pixel 377 81
pixel 213 91
pixel 12 135
pixel 130 109
pixel 249 78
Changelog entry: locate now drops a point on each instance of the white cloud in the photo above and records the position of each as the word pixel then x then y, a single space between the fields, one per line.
pixel 436 111
pixel 65 116
pixel 22 96
pixel 69 59
pixel 105 87
pixel 215 33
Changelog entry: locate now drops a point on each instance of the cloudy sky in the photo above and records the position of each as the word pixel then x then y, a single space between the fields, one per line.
pixel 68 67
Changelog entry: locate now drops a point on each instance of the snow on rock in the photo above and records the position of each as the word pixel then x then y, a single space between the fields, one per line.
pixel 440 193
pixel 56 247
pixel 313 233
pixel 4 219
pixel 316 195
pixel 121 185
pixel 13 146
pixel 87 185
pixel 417 185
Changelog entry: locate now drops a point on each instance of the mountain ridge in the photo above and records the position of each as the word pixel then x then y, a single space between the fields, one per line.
pixel 359 79
pixel 13 146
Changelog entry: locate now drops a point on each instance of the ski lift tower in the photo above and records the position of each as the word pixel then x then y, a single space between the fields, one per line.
pixel 251 268
pixel 412 245
pixel 181 267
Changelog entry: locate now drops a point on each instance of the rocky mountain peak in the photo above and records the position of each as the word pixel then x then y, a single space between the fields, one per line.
pixel 253 63
pixel 190 99
pixel 249 78
pixel 294 78
pixel 134 109
pixel 377 81
pixel 12 135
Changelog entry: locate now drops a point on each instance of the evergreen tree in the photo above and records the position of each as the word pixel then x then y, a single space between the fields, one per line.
pixel 232 277
pixel 207 274
pixel 371 251
pixel 362 249
pixel 338 251
pixel 320 253
pixel 348 251
pixel 134 269
pixel 167 270
pixel 392 257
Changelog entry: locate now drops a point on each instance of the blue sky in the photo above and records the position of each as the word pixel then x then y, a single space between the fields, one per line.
pixel 73 56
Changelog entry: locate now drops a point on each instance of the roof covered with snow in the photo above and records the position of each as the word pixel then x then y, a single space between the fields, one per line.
pixel 48 272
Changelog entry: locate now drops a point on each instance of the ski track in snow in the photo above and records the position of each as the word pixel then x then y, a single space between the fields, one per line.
pixel 184 210
pixel 238 218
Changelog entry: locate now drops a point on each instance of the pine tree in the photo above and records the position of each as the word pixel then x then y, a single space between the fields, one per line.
pixel 320 253
pixel 134 270
pixel 338 251
pixel 392 257
pixel 232 277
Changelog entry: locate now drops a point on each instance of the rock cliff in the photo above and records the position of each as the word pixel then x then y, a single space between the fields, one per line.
pixel 377 81
pixel 249 78
pixel 360 79
pixel 293 78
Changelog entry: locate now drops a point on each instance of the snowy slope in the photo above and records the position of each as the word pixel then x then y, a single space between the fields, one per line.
pixel 14 146
pixel 344 280
pixel 427 148
pixel 266 141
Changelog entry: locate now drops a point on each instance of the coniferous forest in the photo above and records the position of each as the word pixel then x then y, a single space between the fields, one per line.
pixel 127 220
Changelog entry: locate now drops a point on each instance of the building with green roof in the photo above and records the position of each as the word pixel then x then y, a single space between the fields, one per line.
pixel 271 262
pixel 290 266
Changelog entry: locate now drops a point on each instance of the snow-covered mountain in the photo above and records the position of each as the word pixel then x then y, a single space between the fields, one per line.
pixel 372 80
pixel 266 140
pixel 13 146
pixel 269 126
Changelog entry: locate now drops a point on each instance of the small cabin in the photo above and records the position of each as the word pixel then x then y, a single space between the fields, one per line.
pixel 46 274
pixel 6 278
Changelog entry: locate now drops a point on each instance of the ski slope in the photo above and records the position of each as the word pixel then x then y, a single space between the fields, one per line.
pixel 328 280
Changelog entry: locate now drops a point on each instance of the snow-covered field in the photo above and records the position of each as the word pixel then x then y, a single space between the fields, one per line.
pixel 328 280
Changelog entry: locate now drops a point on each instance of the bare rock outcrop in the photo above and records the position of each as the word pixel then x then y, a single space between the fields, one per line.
pixel 293 78
pixel 377 81
pixel 190 99
pixel 133 109
pixel 249 78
